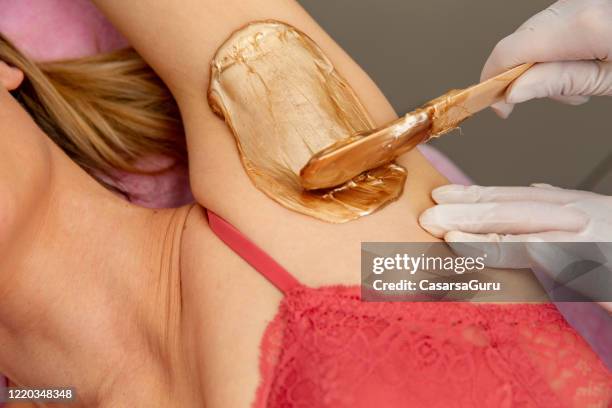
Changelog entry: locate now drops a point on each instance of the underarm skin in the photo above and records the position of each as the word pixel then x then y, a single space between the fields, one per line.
pixel 180 43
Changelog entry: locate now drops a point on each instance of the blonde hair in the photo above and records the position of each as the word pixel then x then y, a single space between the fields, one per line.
pixel 104 111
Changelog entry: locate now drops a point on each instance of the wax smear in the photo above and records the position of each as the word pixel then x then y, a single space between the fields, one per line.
pixel 284 101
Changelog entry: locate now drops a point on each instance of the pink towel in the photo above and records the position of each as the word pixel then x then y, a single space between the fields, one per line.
pixel 57 29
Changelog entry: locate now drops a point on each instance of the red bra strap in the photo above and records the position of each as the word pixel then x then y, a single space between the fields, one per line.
pixel 255 256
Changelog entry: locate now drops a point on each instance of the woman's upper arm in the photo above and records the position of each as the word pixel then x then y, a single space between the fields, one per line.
pixel 179 40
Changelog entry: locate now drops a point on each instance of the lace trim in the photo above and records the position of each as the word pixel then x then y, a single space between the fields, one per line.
pixel 327 348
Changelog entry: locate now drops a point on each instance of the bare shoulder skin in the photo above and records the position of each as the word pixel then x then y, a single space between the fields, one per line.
pixel 89 284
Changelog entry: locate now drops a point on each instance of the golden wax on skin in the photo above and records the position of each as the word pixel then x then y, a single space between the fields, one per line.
pixel 284 101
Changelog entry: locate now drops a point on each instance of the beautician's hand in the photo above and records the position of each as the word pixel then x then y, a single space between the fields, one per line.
pixel 531 215
pixel 572 41
pixel 518 214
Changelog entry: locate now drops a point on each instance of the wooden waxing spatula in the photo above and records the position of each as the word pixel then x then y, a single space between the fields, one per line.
pixel 349 157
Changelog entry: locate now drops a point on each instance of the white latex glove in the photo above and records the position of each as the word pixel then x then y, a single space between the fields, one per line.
pixel 540 212
pixel 572 41
pixel 537 214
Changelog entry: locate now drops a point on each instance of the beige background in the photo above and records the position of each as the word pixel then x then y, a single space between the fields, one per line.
pixel 416 50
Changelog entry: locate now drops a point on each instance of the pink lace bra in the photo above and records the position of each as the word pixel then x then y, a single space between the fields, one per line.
pixel 326 348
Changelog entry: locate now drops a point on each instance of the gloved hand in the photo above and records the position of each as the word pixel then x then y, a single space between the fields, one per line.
pixel 518 214
pixel 534 215
pixel 572 41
